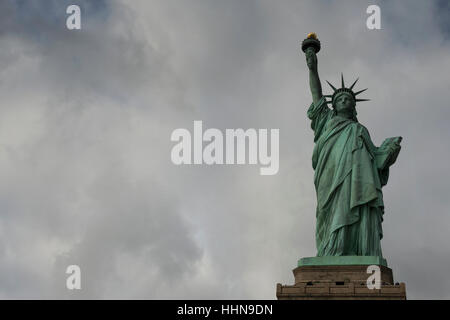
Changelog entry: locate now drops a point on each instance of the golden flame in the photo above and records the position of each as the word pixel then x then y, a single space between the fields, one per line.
pixel 312 35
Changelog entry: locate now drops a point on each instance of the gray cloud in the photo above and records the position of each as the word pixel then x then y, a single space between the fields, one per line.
pixel 85 124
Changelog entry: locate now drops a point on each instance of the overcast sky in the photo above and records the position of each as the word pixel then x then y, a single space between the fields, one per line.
pixel 86 117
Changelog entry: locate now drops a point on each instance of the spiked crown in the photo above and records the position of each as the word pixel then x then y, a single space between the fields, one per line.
pixel 343 89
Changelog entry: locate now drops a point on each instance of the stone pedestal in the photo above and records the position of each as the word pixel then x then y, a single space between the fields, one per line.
pixel 323 278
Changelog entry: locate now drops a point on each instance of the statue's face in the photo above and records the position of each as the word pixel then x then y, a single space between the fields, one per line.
pixel 344 103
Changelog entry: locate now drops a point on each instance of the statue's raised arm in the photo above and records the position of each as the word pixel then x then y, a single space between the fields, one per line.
pixel 314 81
pixel 311 46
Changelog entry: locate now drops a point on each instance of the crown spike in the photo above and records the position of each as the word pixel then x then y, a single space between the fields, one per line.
pixel 331 85
pixel 357 100
pixel 361 91
pixel 342 80
pixel 351 87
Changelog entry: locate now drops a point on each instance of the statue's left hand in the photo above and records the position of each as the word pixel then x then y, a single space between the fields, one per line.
pixel 394 146
pixel 396 142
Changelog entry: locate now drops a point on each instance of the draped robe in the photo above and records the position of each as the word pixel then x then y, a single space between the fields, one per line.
pixel 349 174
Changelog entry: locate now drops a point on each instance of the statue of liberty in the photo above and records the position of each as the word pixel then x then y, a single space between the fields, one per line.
pixel 349 169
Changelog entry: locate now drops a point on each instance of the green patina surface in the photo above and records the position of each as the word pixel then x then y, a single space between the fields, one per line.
pixel 350 171
pixel 342 260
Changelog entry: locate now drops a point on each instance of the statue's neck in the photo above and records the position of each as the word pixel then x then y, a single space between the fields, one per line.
pixel 345 114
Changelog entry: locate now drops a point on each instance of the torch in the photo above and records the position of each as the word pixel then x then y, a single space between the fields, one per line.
pixel 311 41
